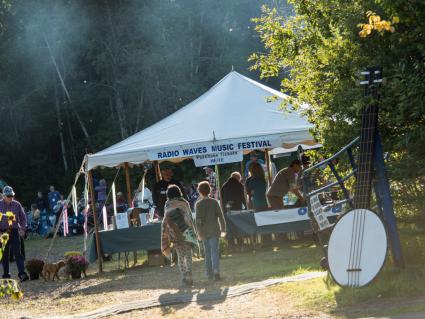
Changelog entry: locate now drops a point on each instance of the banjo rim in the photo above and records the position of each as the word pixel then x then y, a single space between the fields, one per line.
pixel 386 248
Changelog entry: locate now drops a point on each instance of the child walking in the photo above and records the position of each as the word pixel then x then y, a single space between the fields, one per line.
pixel 210 223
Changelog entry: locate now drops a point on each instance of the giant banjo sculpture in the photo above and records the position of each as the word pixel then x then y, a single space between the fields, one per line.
pixel 358 243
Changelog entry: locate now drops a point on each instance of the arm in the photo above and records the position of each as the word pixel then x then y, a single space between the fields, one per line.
pixel 220 216
pixel 22 220
pixel 243 198
pixel 182 190
pixel 155 195
pixel 199 221
pixel 248 193
pixel 223 199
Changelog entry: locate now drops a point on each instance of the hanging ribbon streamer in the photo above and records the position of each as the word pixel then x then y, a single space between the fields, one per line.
pixel 105 218
pixel 65 220
pixel 86 207
pixel 74 198
pixel 114 199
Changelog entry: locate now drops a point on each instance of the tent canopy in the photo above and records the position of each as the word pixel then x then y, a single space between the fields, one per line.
pixel 236 114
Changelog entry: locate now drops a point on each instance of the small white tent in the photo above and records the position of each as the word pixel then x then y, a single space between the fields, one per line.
pixel 235 115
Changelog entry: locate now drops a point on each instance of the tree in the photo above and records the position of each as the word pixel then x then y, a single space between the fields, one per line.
pixel 320 50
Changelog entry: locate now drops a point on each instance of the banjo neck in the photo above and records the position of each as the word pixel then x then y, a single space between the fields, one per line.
pixel 366 157
pixel 369 123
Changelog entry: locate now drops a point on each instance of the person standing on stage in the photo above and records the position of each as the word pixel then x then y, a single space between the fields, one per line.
pixel 14 225
pixel 159 193
pixel 284 182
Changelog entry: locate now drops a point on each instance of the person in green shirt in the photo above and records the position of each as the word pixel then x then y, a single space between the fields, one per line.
pixel 284 182
pixel 210 225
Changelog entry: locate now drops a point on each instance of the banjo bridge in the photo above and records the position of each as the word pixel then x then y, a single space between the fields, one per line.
pixel 354 269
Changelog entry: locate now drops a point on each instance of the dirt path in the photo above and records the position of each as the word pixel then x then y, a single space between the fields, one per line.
pixel 206 296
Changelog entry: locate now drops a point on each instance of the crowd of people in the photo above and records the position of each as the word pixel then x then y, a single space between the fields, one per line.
pixel 180 231
pixel 173 204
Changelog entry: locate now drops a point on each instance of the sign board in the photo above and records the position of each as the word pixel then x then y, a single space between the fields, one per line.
pixel 318 213
pixel 218 158
pixel 214 148
pixel 144 219
pixel 122 220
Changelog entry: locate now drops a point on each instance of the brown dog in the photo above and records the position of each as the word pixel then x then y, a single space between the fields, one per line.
pixel 52 269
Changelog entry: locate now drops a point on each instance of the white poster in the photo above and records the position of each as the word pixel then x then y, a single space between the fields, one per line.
pixel 218 158
pixel 319 214
pixel 122 220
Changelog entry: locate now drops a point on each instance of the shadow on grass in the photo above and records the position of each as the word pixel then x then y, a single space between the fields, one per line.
pixel 207 298
pixel 237 268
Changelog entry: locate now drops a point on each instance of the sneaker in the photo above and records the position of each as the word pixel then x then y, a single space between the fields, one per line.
pixel 217 277
pixel 6 276
pixel 23 277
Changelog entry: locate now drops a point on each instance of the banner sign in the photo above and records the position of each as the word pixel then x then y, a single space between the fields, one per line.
pixel 213 148
pixel 289 215
pixel 218 158
pixel 319 214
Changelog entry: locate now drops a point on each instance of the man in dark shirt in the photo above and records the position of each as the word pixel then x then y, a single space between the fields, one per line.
pixel 15 226
pixel 232 193
pixel 159 193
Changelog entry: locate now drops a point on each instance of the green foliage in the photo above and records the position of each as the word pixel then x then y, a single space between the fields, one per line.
pixel 320 51
pixel 10 288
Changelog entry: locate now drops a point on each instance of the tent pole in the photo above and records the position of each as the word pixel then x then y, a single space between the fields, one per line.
pixel 269 171
pixel 127 182
pixel 129 199
pixel 217 171
pixel 157 171
pixel 96 224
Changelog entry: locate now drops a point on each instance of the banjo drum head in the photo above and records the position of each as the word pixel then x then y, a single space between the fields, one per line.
pixel 357 248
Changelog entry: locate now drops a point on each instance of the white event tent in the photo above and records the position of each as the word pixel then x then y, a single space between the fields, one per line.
pixel 237 114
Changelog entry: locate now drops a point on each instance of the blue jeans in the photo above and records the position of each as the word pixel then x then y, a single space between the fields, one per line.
pixel 211 250
pixel 14 243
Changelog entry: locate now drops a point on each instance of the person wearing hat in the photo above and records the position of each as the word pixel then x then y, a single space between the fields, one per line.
pixel 15 226
pixel 159 193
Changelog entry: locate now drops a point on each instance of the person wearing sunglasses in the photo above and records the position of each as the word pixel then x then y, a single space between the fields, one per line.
pixel 15 225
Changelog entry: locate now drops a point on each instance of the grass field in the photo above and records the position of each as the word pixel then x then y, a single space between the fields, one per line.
pixel 392 292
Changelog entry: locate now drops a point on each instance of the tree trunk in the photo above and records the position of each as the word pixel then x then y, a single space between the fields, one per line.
pixel 139 111
pixel 59 121
pixel 68 96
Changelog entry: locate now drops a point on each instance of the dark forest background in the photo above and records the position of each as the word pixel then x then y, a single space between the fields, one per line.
pixel 77 76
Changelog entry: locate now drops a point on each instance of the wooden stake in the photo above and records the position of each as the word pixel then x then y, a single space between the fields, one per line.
pixel 269 171
pixel 129 198
pixel 96 223
pixel 157 171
